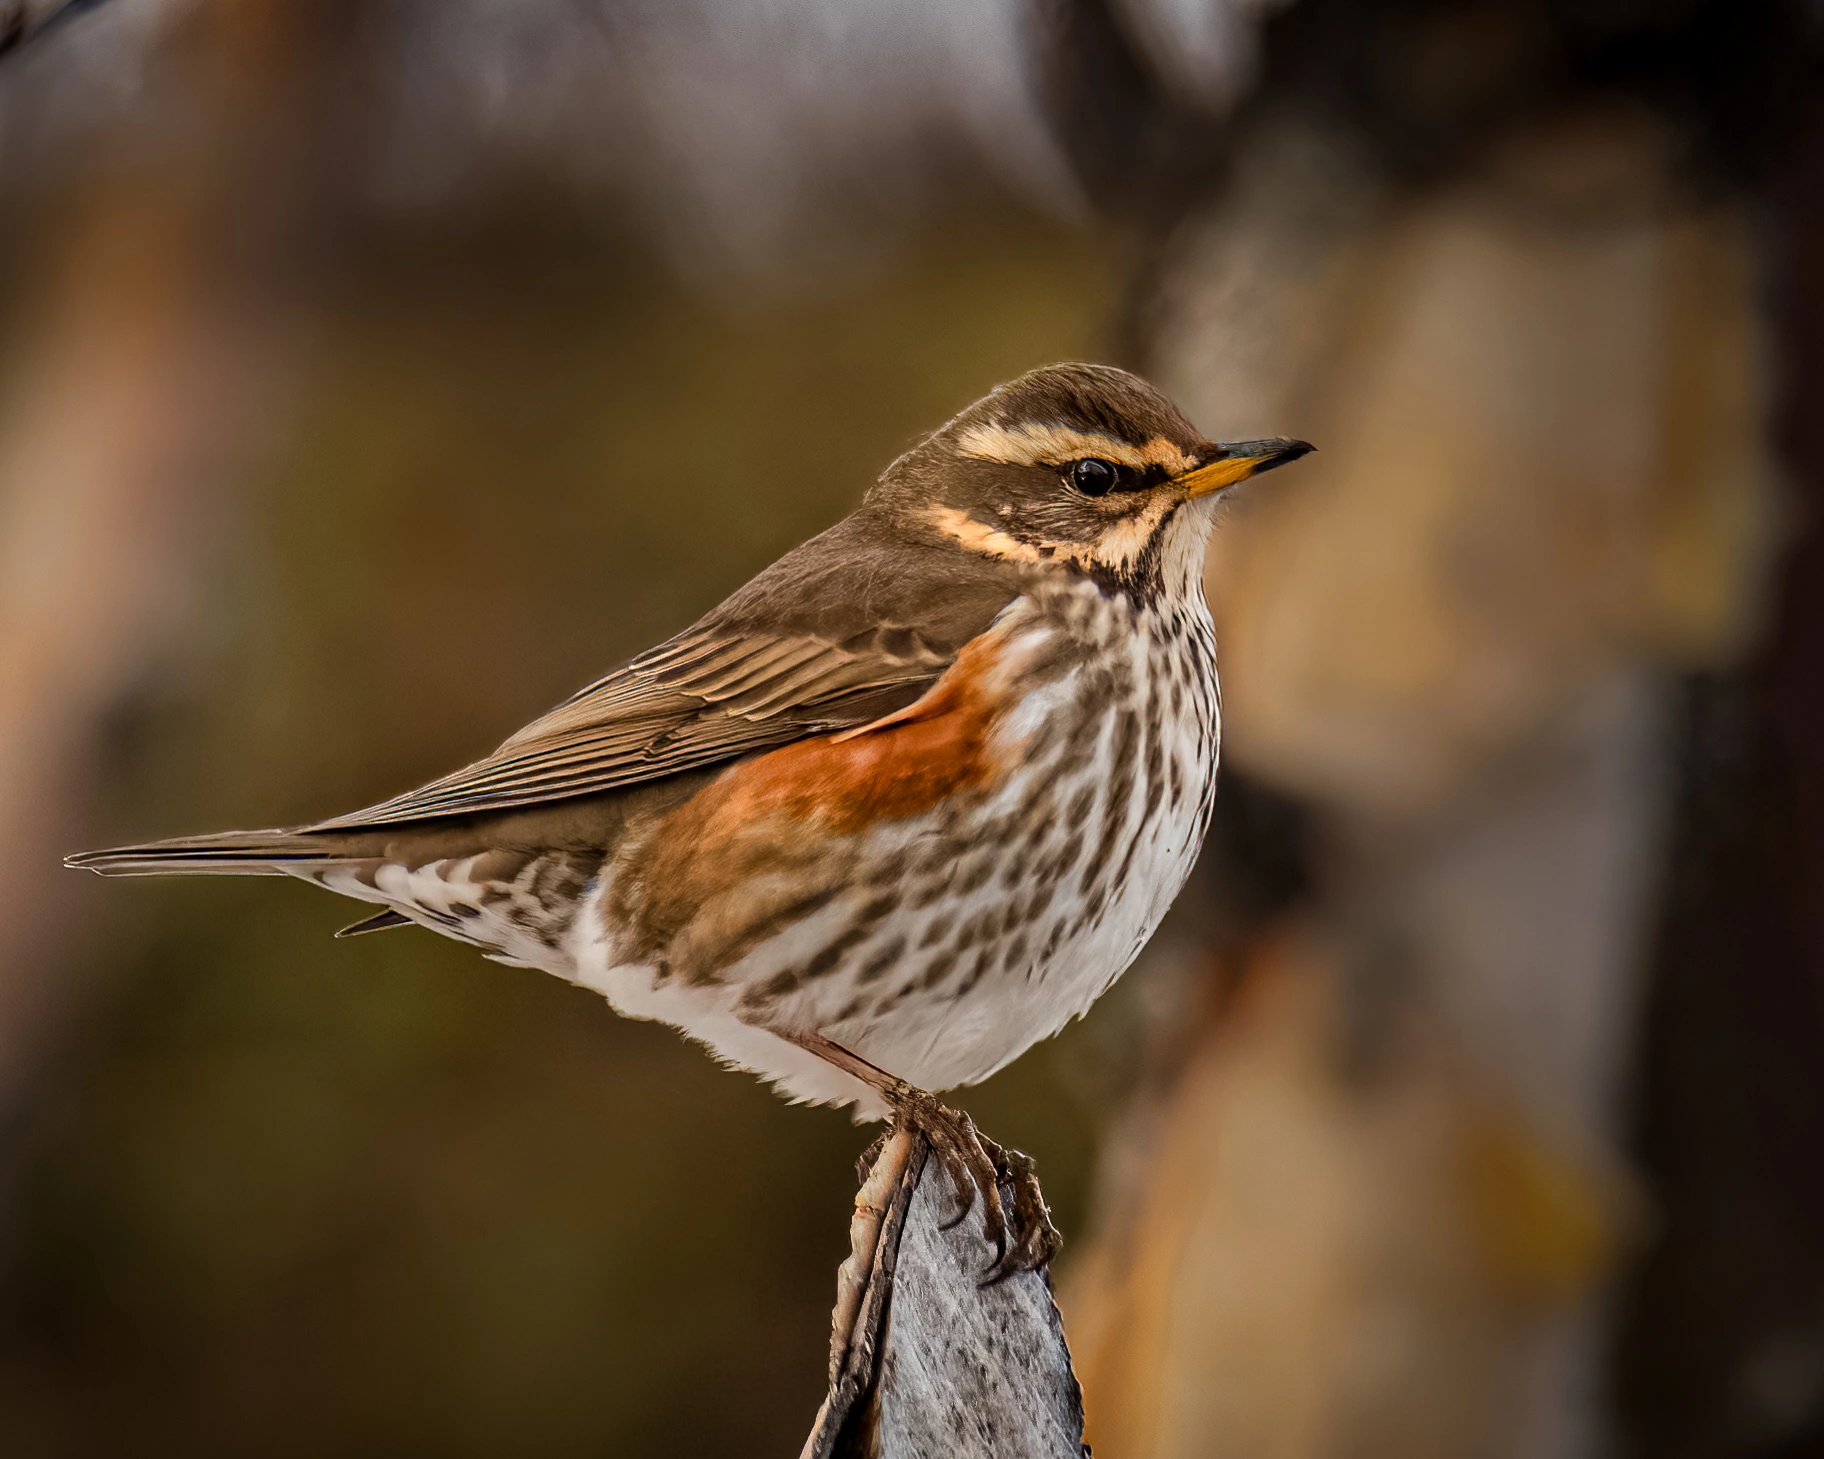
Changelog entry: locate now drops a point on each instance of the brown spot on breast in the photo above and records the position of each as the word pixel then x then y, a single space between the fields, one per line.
pixel 891 770
pixel 782 818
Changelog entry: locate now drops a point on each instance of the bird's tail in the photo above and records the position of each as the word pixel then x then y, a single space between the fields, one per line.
pixel 226 853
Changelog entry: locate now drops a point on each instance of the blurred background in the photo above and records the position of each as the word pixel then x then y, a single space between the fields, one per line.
pixel 375 372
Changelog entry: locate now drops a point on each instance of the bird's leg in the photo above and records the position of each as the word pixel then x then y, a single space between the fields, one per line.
pixel 952 1134
pixel 972 1161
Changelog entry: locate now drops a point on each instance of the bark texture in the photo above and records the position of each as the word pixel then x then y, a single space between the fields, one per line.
pixel 925 1359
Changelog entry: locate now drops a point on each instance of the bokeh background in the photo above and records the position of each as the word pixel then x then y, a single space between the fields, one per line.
pixel 374 372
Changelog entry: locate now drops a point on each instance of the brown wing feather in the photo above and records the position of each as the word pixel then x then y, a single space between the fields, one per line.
pixel 846 628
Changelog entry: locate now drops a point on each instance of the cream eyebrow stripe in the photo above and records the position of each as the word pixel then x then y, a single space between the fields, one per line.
pixel 1046 445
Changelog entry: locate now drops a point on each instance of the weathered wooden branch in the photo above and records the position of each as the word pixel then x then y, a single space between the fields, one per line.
pixel 926 1360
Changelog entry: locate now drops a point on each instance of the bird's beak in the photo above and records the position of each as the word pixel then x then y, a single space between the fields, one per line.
pixel 1227 462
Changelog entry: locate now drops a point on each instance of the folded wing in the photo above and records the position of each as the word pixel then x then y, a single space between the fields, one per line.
pixel 702 697
pixel 823 640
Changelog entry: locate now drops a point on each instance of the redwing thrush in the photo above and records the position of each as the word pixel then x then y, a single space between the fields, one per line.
pixel 901 807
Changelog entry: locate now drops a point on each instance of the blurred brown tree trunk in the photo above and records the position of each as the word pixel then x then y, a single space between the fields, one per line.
pixel 152 359
pixel 1540 491
pixel 1379 1208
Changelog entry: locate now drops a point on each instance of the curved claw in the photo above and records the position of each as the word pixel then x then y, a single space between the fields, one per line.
pixel 975 1164
pixel 965 1158
pixel 965 1203
pixel 1038 1240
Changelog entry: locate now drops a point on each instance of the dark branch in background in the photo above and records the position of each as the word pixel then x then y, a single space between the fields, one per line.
pixel 1135 143
pixel 1721 1347
pixel 1139 151
pixel 18 27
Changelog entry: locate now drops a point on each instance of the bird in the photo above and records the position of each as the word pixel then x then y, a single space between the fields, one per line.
pixel 901 807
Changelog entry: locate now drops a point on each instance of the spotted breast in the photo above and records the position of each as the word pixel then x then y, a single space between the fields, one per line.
pixel 940 889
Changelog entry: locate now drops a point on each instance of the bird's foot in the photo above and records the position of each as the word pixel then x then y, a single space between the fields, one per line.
pixel 1035 1239
pixel 1023 1240
pixel 973 1162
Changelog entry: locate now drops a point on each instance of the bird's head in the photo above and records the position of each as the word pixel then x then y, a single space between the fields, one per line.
pixel 1079 468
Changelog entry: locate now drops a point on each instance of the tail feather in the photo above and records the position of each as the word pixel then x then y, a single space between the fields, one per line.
pixel 226 853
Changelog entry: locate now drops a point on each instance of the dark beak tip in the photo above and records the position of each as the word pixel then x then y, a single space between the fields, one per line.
pixel 1273 452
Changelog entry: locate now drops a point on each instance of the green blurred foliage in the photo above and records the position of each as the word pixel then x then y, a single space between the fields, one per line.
pixel 381 1196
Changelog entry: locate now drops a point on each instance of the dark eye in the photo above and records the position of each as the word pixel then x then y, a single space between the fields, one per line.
pixel 1093 477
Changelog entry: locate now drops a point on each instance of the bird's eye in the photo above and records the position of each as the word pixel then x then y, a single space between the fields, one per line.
pixel 1093 477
